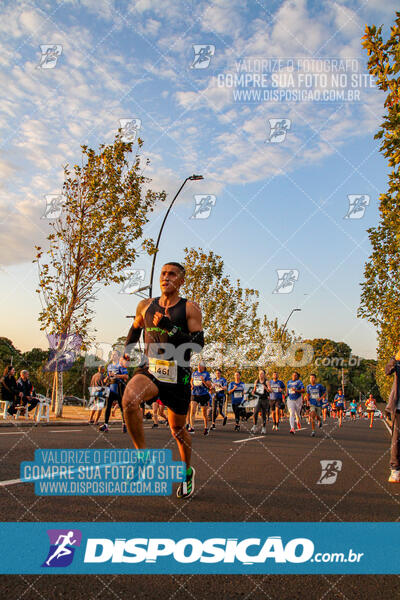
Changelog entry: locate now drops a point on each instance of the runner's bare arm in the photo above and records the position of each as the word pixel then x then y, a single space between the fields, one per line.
pixel 193 315
pixel 138 323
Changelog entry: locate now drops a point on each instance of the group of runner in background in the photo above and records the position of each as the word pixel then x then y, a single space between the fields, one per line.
pixel 271 399
pixel 268 398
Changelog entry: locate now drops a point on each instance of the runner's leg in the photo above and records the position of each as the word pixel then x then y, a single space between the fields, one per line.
pixel 181 435
pixel 264 412
pixel 109 404
pixel 204 410
pixel 119 400
pixel 214 409
pixel 155 413
pixel 139 389
pixel 292 411
pixel 192 417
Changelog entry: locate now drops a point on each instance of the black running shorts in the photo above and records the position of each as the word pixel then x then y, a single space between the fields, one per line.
pixel 273 404
pixel 203 400
pixel 175 396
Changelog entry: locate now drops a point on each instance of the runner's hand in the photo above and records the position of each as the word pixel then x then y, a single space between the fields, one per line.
pixel 158 316
pixel 138 322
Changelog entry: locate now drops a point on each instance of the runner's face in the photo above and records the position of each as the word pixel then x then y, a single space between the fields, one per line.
pixel 237 377
pixel 294 376
pixel 170 279
pixel 274 376
pixel 312 379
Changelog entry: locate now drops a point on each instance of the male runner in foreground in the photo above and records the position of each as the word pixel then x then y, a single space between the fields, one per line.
pixel 172 330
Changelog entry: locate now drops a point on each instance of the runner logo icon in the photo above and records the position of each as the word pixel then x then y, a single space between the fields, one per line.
pixel 62 547
pixel 330 470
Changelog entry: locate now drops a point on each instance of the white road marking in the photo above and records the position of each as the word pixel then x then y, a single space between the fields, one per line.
pixel 15 481
pixel 13 433
pixel 63 430
pixel 258 437
pixel 10 482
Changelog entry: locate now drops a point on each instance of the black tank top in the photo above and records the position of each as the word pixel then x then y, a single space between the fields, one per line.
pixel 155 338
pixel 265 393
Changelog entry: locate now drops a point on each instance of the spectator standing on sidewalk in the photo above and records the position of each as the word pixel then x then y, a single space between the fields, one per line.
pixel 393 407
pixel 9 390
pixel 98 397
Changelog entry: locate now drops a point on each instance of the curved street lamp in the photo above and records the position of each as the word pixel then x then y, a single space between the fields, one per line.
pixel 286 322
pixel 150 287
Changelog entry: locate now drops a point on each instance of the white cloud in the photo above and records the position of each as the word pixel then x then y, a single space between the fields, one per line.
pixel 150 27
pixel 222 16
pixel 214 96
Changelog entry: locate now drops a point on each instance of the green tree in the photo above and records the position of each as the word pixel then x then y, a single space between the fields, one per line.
pixel 34 360
pixel 328 360
pixel 380 299
pixel 230 315
pixel 362 380
pixel 9 354
pixel 106 203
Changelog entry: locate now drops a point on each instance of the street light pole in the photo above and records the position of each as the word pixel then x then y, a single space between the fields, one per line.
pixel 286 322
pixel 192 178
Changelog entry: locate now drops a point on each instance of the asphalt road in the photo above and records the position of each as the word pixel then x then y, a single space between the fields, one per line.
pixel 239 478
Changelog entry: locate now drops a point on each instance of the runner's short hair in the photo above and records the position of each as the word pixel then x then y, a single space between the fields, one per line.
pixel 313 374
pixel 178 265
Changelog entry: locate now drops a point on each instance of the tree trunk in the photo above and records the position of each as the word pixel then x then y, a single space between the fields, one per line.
pixel 59 394
pixel 53 393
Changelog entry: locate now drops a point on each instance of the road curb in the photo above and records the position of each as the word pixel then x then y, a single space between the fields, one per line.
pixel 19 424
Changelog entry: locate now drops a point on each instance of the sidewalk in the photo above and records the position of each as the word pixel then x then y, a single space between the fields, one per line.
pixel 72 415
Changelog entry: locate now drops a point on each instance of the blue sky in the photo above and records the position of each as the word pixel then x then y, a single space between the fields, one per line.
pixel 278 205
